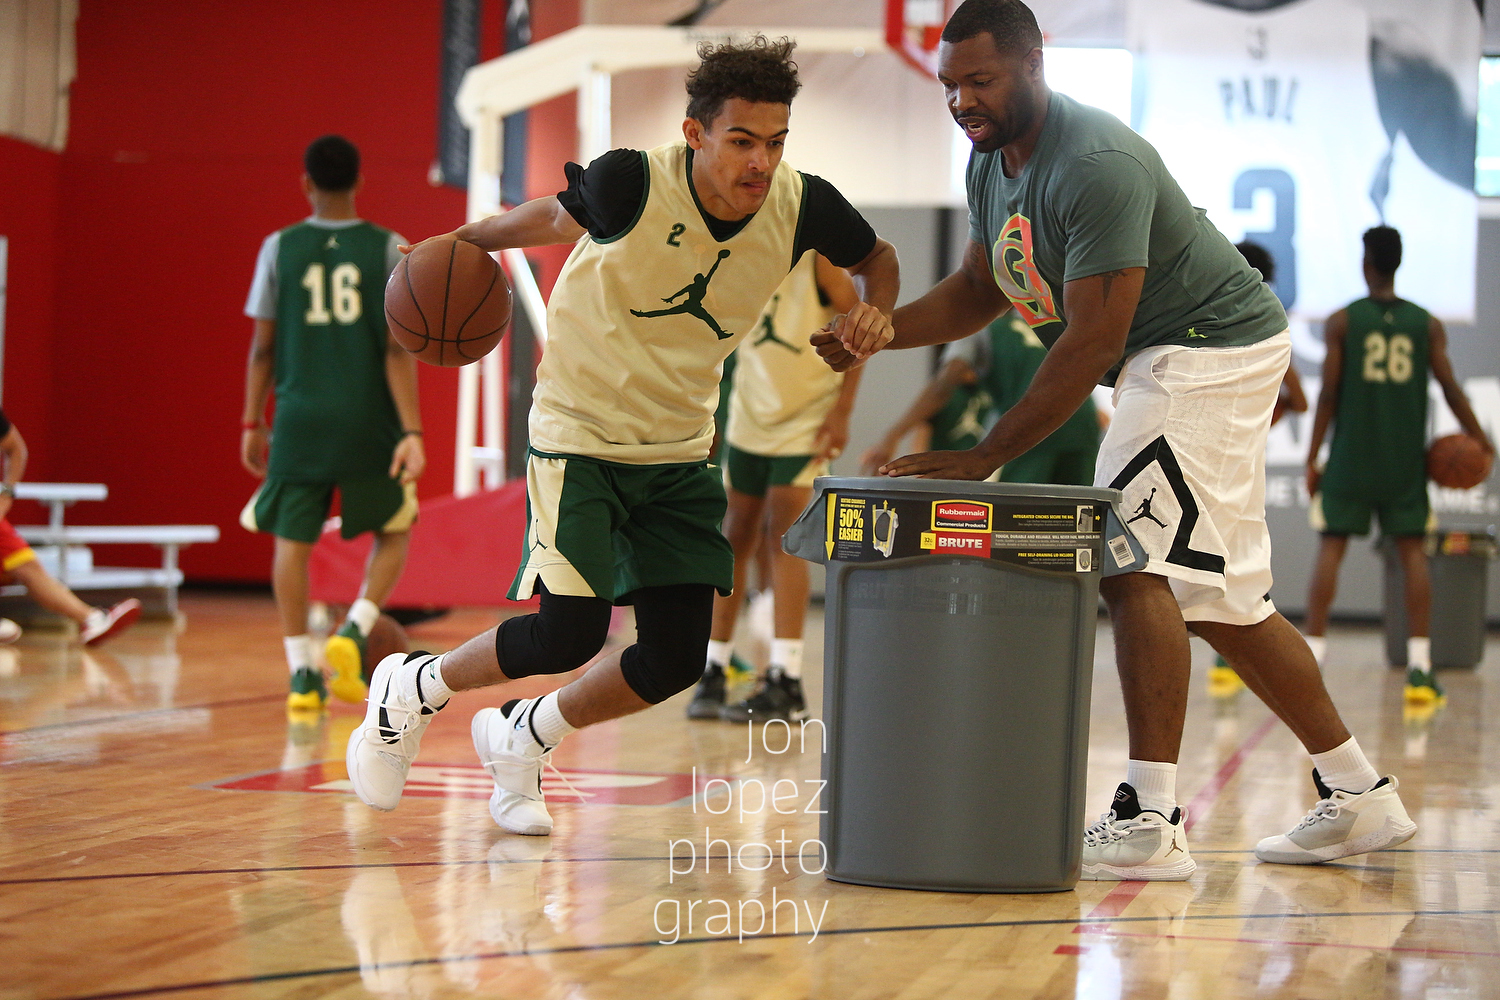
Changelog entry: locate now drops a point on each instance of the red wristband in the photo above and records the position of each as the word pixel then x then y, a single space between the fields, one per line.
pixel 251 427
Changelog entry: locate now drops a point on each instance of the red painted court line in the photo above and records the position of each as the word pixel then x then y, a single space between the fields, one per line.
pixel 1104 932
pixel 1206 795
pixel 1114 903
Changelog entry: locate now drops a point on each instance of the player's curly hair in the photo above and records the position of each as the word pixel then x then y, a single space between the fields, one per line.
pixel 1383 249
pixel 1010 23
pixel 758 70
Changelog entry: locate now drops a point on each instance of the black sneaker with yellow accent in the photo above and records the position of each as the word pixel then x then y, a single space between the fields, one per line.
pixel 779 697
pixel 708 697
pixel 345 651
pixel 308 693
pixel 1422 688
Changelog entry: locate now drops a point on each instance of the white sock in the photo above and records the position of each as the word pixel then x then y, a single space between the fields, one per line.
pixel 1155 784
pixel 431 688
pixel 1318 645
pixel 787 654
pixel 1419 652
pixel 298 651
pixel 719 652
pixel 548 722
pixel 1346 767
pixel 363 613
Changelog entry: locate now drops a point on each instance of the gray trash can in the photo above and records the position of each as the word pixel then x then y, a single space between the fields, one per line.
pixel 958 658
pixel 1458 563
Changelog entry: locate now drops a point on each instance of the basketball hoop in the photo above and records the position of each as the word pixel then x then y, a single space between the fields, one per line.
pixel 913 28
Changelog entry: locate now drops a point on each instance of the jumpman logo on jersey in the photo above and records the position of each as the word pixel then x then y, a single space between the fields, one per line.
pixel 332 244
pixel 969 425
pixel 1144 510
pixel 695 290
pixel 769 325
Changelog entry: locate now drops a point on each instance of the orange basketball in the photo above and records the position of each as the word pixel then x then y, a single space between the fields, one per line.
pixel 447 302
pixel 1458 462
pixel 386 637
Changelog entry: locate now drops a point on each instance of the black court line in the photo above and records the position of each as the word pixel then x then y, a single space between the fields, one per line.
pixel 354 867
pixel 1074 921
pixel 106 720
pixel 181 873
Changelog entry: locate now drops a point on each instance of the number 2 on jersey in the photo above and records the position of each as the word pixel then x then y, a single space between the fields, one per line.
pixel 1387 360
pixel 342 289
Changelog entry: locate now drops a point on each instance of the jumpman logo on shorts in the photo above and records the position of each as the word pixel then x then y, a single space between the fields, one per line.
pixel 1144 510
pixel 695 290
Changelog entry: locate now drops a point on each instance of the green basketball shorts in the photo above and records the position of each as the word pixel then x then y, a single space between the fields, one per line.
pixel 1334 512
pixel 602 529
pixel 296 510
pixel 754 474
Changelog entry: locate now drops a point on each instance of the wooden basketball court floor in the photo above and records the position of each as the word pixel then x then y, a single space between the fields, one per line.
pixel 165 832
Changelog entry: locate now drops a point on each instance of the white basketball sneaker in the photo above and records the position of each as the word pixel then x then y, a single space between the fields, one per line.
pixel 513 756
pixel 1342 824
pixel 9 631
pixel 382 747
pixel 1131 844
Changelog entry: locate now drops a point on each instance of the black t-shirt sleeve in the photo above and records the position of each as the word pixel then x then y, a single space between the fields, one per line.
pixel 831 226
pixel 606 196
pixel 4 424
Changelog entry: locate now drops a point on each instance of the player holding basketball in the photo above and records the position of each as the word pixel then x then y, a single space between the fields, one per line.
pixel 1380 352
pixel 788 418
pixel 623 506
pixel 1076 221
pixel 346 413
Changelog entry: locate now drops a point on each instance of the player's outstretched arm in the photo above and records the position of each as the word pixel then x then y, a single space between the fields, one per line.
pixel 963 303
pixel 1099 310
pixel 538 223
pixel 255 438
pixel 1334 332
pixel 1453 393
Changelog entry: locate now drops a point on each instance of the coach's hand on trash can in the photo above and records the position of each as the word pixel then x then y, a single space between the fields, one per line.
pixel 971 464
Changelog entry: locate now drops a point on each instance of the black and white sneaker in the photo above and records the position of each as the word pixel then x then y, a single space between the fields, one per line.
pixel 708 697
pixel 778 697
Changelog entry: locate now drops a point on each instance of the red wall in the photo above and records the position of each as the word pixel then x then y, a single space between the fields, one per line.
pixel 188 124
pixel 29 179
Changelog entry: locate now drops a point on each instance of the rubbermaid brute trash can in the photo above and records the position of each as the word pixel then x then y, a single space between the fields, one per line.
pixel 1458 565
pixel 958 659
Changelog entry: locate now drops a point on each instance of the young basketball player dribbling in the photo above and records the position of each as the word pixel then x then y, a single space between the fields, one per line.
pixel 678 249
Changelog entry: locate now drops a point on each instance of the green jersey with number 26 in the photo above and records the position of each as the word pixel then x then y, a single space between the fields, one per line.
pixel 335 418
pixel 1380 428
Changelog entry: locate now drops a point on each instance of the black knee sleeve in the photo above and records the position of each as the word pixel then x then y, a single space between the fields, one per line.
pixel 672 626
pixel 563 635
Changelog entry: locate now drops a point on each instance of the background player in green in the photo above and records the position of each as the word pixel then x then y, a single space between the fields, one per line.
pixel 1381 349
pixel 998 363
pixel 346 412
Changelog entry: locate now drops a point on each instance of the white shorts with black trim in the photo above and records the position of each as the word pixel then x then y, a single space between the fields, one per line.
pixel 1187 447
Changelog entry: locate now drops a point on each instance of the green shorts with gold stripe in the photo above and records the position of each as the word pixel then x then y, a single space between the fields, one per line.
pixel 605 529
pixel 753 474
pixel 297 510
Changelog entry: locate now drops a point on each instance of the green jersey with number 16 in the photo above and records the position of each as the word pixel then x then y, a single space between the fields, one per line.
pixel 1380 428
pixel 335 418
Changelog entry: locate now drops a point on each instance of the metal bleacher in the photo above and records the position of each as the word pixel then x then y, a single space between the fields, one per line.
pixel 66 549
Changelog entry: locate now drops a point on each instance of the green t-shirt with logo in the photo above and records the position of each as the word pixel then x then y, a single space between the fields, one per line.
pixel 1095 197
pixel 1379 446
